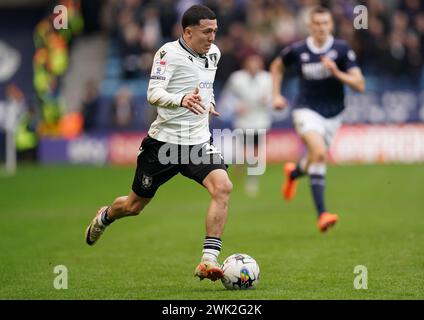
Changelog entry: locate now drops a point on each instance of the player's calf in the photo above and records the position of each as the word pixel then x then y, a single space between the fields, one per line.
pixel 133 209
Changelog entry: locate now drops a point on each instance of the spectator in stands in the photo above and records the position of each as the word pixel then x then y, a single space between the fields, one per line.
pixel 23 121
pixel 168 19
pixel 131 50
pixel 419 26
pixel 414 58
pixel 122 115
pixel 227 12
pixel 90 106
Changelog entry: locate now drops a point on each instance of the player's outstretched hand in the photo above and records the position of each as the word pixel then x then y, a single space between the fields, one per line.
pixel 279 102
pixel 192 102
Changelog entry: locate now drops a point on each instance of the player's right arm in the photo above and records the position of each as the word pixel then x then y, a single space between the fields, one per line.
pixel 277 74
pixel 164 67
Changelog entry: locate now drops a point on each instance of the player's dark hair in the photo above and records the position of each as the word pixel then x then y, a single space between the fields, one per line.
pixel 195 13
pixel 319 9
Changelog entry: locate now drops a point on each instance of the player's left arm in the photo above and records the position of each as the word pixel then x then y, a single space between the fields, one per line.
pixel 212 106
pixel 353 77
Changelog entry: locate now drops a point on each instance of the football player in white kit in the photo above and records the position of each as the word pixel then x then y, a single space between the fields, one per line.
pixel 179 140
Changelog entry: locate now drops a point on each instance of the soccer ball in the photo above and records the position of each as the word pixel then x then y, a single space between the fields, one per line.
pixel 240 272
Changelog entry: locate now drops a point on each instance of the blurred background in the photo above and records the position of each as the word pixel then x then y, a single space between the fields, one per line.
pixel 78 95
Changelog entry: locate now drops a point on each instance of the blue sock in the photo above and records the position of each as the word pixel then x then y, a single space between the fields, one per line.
pixel 317 183
pixel 297 173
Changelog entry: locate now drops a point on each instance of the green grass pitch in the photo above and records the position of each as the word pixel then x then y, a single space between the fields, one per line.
pixel 45 210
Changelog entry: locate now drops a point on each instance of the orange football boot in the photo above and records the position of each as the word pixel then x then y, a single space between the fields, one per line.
pixel 209 269
pixel 288 189
pixel 326 221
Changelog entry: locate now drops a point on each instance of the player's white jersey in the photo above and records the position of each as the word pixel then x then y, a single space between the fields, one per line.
pixel 177 70
pixel 255 93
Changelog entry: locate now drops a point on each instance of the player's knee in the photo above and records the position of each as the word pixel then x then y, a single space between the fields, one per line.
pixel 319 157
pixel 223 188
pixel 228 187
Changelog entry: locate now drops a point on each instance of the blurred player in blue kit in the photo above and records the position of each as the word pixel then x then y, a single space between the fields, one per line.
pixel 324 65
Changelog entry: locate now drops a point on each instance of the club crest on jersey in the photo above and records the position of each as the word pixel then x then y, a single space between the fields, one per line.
pixel 214 58
pixel 305 57
pixel 146 181
pixel 332 54
pixel 351 55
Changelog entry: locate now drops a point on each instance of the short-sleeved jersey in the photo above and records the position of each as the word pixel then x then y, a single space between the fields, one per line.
pixel 177 70
pixel 318 89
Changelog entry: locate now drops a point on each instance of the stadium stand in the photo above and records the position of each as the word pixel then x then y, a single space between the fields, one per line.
pixel 112 43
pixel 390 51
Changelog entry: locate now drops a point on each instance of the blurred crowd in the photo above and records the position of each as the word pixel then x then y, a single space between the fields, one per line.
pixel 27 117
pixel 51 61
pixel 391 49
pixel 393 44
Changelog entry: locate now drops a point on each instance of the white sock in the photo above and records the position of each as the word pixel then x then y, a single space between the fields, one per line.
pixel 211 248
